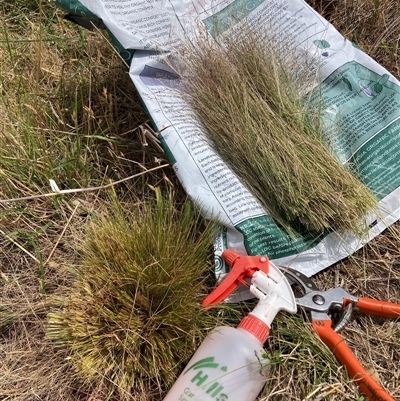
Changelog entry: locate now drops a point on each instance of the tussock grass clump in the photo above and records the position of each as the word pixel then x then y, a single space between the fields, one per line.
pixel 134 315
pixel 244 92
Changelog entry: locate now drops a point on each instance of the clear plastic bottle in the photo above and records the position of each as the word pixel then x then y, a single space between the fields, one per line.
pixel 231 363
pixel 228 365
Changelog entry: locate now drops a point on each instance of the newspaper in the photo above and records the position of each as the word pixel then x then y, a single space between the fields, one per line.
pixel 363 97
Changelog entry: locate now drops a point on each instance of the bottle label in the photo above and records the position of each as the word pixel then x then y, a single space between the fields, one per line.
pixel 200 372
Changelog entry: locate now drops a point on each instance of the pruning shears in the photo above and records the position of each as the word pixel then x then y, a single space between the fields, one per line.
pixel 319 304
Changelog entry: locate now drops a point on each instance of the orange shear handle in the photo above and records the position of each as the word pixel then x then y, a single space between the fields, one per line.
pixel 373 390
pixel 378 308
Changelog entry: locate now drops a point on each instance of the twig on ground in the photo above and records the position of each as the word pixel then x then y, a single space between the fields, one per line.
pixel 72 191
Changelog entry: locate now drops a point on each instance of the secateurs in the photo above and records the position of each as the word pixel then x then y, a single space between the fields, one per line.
pixel 319 304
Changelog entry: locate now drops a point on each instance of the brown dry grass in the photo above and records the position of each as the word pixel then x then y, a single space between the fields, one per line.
pixel 89 89
pixel 68 112
pixel 374 25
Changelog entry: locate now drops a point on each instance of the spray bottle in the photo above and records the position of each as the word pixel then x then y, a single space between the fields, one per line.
pixel 230 364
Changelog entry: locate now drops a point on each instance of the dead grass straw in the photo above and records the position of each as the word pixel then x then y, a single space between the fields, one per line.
pixel 372 25
pixel 244 93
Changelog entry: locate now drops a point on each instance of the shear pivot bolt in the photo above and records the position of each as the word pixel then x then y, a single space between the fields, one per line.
pixel 318 299
pixel 263 259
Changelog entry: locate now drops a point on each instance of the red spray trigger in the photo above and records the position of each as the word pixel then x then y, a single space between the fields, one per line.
pixel 242 267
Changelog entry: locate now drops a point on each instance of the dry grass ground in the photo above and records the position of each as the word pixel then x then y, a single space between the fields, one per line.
pixel 69 113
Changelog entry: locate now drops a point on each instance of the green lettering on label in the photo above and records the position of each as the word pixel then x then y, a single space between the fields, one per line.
pixel 199 378
pixel 215 386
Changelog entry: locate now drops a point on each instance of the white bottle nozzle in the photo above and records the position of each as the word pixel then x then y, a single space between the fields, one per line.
pixel 274 292
pixel 268 284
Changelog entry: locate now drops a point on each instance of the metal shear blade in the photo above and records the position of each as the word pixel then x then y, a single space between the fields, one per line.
pixel 320 303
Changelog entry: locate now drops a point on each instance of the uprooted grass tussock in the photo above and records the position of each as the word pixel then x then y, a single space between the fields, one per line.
pixel 270 137
pixel 69 113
